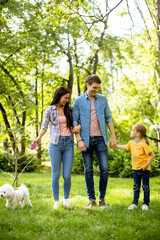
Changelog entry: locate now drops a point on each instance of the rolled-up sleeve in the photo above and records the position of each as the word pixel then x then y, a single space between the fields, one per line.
pixel 75 113
pixel 46 118
pixel 108 116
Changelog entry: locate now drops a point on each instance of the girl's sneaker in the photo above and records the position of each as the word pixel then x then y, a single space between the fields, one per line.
pixel 132 206
pixel 144 207
pixel 56 205
pixel 66 203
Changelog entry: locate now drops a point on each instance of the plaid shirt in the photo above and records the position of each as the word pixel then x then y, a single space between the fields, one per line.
pixel 51 118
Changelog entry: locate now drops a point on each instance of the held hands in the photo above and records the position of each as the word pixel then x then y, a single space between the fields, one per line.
pixel 81 145
pixel 76 129
pixel 113 143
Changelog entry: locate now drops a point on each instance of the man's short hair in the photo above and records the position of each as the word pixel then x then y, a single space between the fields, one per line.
pixel 93 78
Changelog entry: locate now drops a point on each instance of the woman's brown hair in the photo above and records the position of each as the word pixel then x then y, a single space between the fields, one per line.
pixel 67 108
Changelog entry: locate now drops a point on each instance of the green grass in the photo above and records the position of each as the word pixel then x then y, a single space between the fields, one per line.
pixel 115 222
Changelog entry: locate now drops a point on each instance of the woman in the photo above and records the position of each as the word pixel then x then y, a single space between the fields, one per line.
pixel 61 149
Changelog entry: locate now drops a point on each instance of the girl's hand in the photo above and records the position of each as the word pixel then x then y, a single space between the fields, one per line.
pixel 76 129
pixel 144 168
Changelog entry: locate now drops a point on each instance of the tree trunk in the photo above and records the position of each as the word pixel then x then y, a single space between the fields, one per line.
pixel 8 128
pixel 100 42
pixel 158 36
pixel 70 81
pixel 23 114
pixel 158 137
pixel 37 119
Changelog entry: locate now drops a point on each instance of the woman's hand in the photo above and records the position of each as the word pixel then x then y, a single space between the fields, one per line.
pixel 76 129
pixel 38 140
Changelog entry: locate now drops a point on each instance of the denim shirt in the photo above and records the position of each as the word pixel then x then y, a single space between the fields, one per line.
pixel 51 118
pixel 82 112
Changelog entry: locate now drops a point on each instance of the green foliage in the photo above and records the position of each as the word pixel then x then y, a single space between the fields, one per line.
pixel 155 165
pixel 119 163
pixel 7 163
pixel 78 166
pixel 38 40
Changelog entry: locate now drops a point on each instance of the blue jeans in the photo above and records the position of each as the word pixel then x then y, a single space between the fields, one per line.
pixel 61 153
pixel 96 144
pixel 137 176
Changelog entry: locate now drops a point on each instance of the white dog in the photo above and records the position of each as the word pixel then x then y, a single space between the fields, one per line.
pixel 14 197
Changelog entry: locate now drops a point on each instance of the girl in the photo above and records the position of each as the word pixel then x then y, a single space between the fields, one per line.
pixel 140 163
pixel 61 149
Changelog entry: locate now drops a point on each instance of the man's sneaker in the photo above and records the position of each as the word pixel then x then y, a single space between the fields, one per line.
pixel 144 207
pixel 66 203
pixel 92 203
pixel 132 206
pixel 101 203
pixel 56 205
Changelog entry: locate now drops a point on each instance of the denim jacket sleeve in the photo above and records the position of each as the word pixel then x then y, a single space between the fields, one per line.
pixel 75 113
pixel 108 116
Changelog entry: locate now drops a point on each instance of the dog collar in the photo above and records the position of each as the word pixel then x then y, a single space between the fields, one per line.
pixel 12 198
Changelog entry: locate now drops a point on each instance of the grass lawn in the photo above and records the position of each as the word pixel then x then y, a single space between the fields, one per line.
pixel 115 222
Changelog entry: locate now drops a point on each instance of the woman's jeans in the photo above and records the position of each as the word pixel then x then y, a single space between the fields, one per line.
pixel 137 176
pixel 96 144
pixel 62 153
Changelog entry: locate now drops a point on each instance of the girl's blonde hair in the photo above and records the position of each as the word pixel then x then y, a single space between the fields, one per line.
pixel 142 130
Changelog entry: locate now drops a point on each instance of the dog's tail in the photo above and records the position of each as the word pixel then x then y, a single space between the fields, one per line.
pixel 24 189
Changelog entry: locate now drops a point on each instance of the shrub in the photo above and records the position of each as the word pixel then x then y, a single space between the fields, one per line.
pixel 119 163
pixel 155 165
pixel 78 162
pixel 7 163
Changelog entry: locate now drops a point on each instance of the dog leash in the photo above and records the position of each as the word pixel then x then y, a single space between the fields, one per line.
pixel 12 198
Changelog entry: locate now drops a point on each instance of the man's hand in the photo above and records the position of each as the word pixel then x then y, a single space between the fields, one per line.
pixel 82 146
pixel 113 143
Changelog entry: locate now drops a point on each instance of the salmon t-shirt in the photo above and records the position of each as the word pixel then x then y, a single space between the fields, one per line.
pixel 64 131
pixel 95 129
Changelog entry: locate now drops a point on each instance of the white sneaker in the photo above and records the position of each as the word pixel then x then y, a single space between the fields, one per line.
pixel 132 206
pixel 66 203
pixel 144 207
pixel 56 205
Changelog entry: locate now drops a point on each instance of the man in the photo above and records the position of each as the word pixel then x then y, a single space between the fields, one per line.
pixel 91 110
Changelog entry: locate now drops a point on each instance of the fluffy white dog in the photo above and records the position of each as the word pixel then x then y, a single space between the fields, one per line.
pixel 13 197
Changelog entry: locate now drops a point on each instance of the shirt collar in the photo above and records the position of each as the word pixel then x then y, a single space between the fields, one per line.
pixel 53 106
pixel 86 96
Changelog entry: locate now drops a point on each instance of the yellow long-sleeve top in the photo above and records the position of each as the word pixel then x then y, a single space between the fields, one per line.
pixel 139 154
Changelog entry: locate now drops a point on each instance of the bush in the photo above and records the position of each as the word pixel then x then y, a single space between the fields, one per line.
pixel 78 162
pixel 155 165
pixel 7 163
pixel 119 163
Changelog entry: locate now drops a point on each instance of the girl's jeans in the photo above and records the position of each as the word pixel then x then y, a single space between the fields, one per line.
pixel 61 153
pixel 96 144
pixel 137 176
